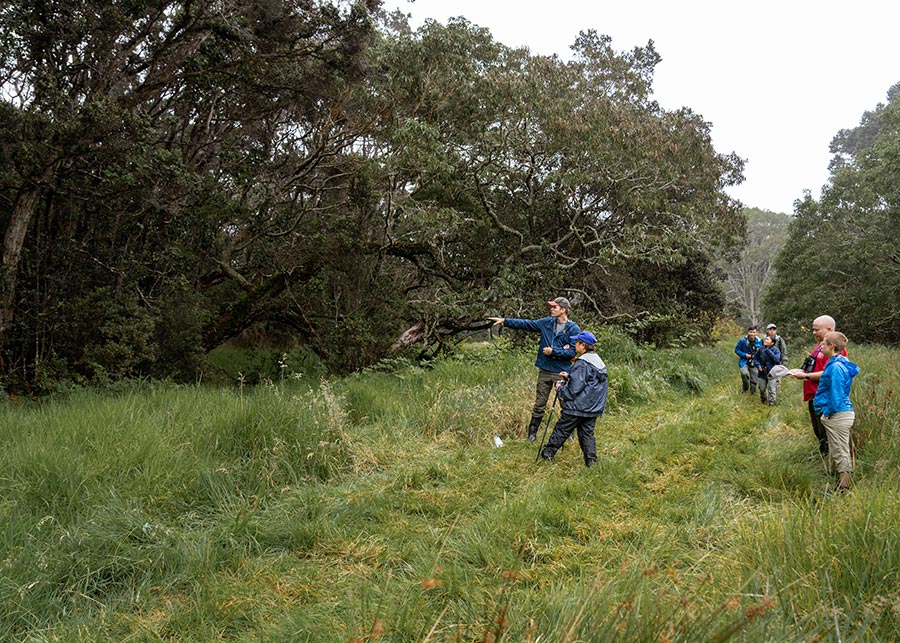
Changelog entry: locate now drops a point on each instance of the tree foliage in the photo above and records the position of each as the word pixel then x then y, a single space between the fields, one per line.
pixel 187 173
pixel 508 174
pixel 841 257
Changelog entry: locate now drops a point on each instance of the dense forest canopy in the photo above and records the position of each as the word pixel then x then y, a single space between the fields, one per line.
pixel 174 175
pixel 842 254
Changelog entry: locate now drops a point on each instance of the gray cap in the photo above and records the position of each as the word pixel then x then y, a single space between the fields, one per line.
pixel 771 326
pixel 561 301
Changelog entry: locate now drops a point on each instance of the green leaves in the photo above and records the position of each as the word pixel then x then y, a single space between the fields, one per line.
pixel 841 255
pixel 285 167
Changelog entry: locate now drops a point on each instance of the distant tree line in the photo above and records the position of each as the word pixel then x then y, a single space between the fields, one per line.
pixel 177 174
pixel 842 253
pixel 750 269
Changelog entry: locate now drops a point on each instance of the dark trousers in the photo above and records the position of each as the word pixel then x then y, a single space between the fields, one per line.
pixel 563 429
pixel 818 429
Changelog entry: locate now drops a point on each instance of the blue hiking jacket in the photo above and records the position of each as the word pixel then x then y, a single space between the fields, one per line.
pixel 744 346
pixel 833 394
pixel 584 393
pixel 562 344
pixel 766 358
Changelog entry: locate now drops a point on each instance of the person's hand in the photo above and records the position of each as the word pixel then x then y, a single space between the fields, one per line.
pixel 497 320
pixel 548 351
pixel 564 375
pixel 558 384
pixel 797 373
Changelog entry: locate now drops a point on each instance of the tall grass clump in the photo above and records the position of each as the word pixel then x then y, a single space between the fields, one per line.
pixel 876 400
pixel 836 564
pixel 107 495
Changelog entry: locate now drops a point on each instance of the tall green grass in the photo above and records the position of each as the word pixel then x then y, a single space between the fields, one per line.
pixel 375 508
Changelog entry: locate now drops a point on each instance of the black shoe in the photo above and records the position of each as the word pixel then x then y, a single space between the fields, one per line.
pixel 533 427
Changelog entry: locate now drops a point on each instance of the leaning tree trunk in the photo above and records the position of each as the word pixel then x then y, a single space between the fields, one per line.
pixel 13 241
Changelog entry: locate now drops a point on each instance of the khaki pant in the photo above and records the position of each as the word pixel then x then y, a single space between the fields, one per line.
pixel 837 427
pixel 542 390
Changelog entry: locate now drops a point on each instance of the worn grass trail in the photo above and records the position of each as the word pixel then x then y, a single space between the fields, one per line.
pixel 375 508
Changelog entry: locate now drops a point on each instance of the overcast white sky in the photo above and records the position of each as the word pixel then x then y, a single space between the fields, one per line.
pixel 777 80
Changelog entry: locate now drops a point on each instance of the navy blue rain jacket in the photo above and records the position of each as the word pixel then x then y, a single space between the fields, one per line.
pixel 562 344
pixel 584 393
pixel 767 358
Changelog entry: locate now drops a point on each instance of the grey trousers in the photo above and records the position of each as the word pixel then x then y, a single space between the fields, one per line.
pixel 768 388
pixel 749 375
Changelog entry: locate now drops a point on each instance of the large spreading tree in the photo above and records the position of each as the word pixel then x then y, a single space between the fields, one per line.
pixel 174 175
pixel 505 177
pixel 155 157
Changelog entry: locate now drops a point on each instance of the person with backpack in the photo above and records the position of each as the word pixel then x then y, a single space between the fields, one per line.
pixel 772 331
pixel 745 349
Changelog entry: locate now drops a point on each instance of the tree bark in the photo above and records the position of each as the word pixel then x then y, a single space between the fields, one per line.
pixel 13 241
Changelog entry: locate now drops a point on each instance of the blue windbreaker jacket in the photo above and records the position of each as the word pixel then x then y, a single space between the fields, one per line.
pixel 833 394
pixel 584 393
pixel 743 347
pixel 562 344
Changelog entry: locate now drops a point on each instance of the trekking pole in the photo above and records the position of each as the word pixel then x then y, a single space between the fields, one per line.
pixel 547 425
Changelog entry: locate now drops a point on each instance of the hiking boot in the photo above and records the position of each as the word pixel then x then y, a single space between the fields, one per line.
pixel 533 429
pixel 843 482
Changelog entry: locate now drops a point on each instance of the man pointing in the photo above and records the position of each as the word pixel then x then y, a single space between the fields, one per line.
pixel 555 352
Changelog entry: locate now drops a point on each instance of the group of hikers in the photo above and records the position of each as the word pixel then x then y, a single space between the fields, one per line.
pixel 567 361
pixel 756 359
pixel 827 376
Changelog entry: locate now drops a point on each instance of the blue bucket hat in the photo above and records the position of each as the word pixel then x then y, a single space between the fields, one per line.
pixel 585 336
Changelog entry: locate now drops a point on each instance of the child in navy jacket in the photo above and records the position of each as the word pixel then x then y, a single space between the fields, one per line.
pixel 583 394
pixel 764 359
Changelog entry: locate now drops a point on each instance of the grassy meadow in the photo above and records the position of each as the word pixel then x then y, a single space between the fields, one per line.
pixel 376 508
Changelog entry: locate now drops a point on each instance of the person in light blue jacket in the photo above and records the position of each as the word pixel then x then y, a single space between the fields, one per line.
pixel 555 352
pixel 832 403
pixel 583 393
